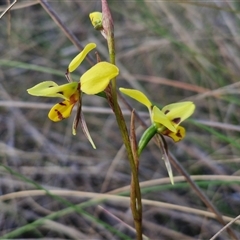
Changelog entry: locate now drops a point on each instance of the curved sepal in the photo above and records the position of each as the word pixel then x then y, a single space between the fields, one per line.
pixel 137 95
pixel 80 57
pixel 96 79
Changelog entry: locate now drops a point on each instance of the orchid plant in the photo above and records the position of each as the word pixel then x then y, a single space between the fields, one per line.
pixel 167 120
pixel 102 77
pixel 93 81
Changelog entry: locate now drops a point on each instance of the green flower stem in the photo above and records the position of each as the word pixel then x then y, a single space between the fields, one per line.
pixel 136 200
pixel 111 51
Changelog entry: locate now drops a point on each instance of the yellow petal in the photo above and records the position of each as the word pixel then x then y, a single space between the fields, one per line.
pixel 177 136
pixel 80 57
pixel 159 117
pixel 178 112
pixel 60 111
pixel 51 89
pixel 96 79
pixel 137 95
pixel 96 20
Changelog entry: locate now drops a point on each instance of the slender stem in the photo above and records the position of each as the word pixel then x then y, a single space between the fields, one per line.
pixel 111 50
pixel 135 194
pixel 136 200
pixel 137 207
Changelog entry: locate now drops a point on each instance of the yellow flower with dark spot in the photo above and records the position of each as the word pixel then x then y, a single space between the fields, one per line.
pixel 69 92
pixel 168 119
pixel 93 81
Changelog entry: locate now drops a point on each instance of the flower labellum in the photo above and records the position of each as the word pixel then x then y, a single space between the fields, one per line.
pixel 168 119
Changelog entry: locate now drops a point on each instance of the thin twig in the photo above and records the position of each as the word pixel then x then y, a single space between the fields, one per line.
pixel 66 30
pixel 200 193
pixel 135 199
pixel 22 5
pixel 8 8
pixel 224 228
pixel 136 207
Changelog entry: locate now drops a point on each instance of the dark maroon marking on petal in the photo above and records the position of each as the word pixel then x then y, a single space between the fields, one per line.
pixel 62 104
pixel 166 132
pixel 177 120
pixel 50 86
pixel 60 116
pixel 179 134
pixel 60 92
pixel 167 111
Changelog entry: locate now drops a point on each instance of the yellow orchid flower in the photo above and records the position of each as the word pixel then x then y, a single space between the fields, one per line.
pixel 93 81
pixel 71 94
pixel 164 122
pixel 168 119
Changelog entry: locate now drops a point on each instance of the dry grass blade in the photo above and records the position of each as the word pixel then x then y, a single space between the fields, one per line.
pixel 63 27
pixel 19 5
pixel 224 228
pixel 8 8
pixel 97 197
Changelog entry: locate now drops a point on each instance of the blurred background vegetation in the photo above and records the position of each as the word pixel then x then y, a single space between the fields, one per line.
pixel 173 51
